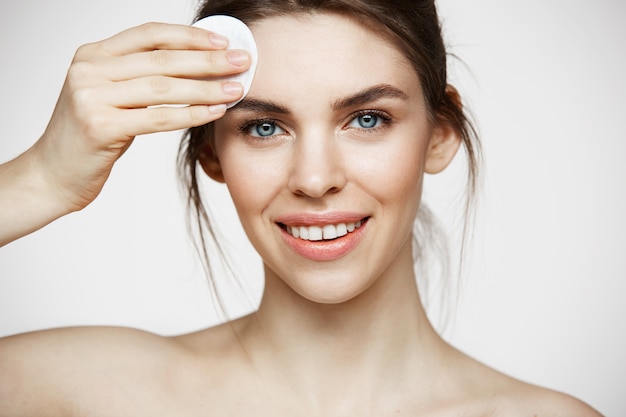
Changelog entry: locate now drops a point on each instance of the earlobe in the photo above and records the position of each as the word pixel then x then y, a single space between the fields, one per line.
pixel 210 163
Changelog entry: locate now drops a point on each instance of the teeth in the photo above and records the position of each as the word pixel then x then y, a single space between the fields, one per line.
pixel 315 233
pixel 329 232
pixel 326 232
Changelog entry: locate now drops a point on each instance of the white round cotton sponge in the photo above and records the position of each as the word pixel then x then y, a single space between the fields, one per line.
pixel 239 37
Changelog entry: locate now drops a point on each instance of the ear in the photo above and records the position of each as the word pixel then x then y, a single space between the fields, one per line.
pixel 210 163
pixel 444 141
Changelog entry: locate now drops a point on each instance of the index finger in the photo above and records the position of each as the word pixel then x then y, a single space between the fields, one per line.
pixel 151 36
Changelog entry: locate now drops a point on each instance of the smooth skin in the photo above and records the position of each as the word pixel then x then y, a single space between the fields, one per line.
pixel 344 337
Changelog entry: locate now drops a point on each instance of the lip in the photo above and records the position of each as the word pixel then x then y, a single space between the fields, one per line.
pixel 320 219
pixel 323 250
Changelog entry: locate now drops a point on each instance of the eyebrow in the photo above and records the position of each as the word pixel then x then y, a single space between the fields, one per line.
pixel 368 95
pixel 262 106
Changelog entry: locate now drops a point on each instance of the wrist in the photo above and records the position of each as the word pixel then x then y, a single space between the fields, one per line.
pixel 27 201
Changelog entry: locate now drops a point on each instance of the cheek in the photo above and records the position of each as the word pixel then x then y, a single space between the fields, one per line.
pixel 393 174
pixel 252 178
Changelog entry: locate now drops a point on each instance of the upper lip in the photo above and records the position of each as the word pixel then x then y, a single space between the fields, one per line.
pixel 319 219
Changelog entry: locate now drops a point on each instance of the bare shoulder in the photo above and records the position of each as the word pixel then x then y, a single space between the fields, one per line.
pixel 487 392
pixel 111 371
pixel 219 340
pixel 514 398
pixel 530 400
pixel 55 370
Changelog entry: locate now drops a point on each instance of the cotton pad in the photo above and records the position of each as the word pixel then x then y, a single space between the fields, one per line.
pixel 239 37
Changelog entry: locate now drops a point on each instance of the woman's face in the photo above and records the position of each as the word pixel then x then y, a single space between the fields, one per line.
pixel 324 158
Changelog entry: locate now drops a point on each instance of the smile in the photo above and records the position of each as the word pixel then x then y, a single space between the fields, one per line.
pixel 325 232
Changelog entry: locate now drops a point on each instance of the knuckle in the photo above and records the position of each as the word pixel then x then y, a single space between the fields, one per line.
pixel 90 51
pixel 160 57
pixel 79 73
pixel 84 52
pixel 151 30
pixel 92 119
pixel 212 60
pixel 160 117
pixel 196 116
pixel 148 28
pixel 83 98
pixel 159 84
pixel 196 35
pixel 95 125
pixel 212 90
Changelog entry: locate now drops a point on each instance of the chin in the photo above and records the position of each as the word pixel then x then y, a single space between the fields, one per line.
pixel 330 289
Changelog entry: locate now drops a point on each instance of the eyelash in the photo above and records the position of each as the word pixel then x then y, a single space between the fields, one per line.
pixel 384 119
pixel 245 127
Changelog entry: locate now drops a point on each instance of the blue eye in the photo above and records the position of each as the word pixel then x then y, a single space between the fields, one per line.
pixel 264 129
pixel 367 121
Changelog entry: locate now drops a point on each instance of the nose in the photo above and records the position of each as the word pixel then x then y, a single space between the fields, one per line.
pixel 317 166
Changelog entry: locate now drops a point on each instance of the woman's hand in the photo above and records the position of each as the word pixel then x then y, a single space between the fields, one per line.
pixel 115 90
pixel 110 88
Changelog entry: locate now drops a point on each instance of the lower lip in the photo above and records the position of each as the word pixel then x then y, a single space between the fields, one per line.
pixel 325 250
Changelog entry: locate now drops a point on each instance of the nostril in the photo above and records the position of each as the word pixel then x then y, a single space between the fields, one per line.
pixel 312 192
pixel 316 183
pixel 317 167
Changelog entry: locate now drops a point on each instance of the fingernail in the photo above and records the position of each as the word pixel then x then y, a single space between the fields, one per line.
pixel 218 40
pixel 217 108
pixel 233 89
pixel 238 58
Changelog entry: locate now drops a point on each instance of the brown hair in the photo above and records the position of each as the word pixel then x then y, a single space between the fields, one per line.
pixel 413 25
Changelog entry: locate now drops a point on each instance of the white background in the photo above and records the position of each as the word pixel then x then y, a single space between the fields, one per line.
pixel 542 296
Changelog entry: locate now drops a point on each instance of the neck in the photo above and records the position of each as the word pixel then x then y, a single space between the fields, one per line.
pixel 327 349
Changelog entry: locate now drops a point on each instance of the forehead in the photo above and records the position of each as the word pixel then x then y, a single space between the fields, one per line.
pixel 323 53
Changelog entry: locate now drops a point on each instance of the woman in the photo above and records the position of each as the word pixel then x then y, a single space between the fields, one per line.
pixel 324 159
